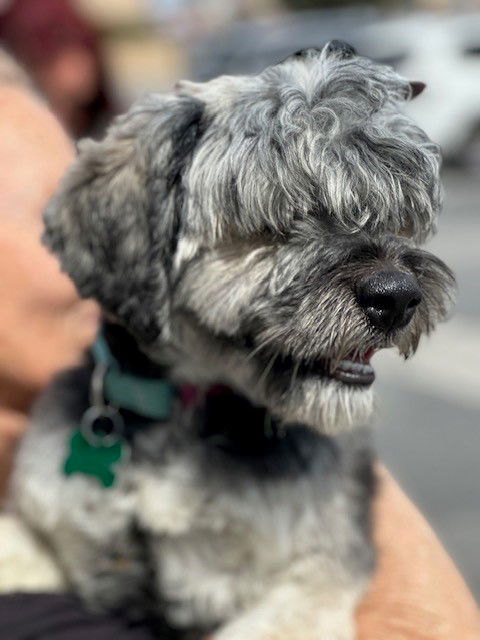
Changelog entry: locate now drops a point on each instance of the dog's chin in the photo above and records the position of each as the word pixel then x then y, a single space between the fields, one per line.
pixel 328 405
pixel 328 396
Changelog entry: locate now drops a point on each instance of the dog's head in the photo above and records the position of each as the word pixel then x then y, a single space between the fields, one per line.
pixel 263 230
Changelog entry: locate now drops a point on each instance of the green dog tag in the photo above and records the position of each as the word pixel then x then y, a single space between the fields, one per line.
pixel 95 460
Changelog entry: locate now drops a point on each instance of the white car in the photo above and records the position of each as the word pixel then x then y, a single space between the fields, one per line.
pixel 444 51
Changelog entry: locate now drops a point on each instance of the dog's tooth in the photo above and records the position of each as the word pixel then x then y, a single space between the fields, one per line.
pixel 355 366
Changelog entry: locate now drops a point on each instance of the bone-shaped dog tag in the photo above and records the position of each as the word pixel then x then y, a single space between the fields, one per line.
pixel 94 454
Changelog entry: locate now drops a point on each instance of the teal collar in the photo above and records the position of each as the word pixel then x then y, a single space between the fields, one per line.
pixel 101 441
pixel 148 397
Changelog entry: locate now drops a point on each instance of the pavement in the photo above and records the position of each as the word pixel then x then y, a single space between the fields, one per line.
pixel 428 424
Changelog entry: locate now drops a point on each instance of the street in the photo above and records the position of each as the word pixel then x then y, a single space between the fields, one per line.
pixel 428 419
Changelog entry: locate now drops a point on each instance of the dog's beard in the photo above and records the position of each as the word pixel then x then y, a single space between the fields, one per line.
pixel 330 396
pixel 327 405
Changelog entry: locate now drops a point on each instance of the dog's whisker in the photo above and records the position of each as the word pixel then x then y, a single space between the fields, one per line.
pixel 294 376
pixel 267 369
pixel 265 343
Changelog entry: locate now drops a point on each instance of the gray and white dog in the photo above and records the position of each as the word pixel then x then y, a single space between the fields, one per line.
pixel 261 232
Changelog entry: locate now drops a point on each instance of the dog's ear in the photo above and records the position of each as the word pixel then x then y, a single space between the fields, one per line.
pixel 416 88
pixel 114 221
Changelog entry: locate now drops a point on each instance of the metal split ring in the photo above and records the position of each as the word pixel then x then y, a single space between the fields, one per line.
pixel 105 412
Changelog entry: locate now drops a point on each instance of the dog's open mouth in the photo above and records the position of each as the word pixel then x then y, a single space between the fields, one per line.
pixel 355 370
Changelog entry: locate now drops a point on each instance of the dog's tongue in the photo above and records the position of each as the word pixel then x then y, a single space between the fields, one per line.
pixel 367 355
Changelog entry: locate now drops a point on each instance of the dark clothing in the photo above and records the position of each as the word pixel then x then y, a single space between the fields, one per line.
pixel 26 616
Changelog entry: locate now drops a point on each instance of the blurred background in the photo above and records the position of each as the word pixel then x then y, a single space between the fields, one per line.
pixel 91 58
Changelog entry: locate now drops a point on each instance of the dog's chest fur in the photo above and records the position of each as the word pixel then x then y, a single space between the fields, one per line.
pixel 212 511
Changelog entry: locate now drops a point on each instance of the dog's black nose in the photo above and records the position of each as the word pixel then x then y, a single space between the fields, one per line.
pixel 389 298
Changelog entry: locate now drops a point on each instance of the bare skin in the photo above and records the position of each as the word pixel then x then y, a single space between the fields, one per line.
pixel 44 326
pixel 417 593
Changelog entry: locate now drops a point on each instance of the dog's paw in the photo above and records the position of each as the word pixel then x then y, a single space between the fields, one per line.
pixel 297 614
pixel 25 565
pixel 327 625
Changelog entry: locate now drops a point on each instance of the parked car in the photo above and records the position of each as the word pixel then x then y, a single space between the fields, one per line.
pixel 444 51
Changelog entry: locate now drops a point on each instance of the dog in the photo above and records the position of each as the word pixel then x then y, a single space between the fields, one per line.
pixel 253 241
